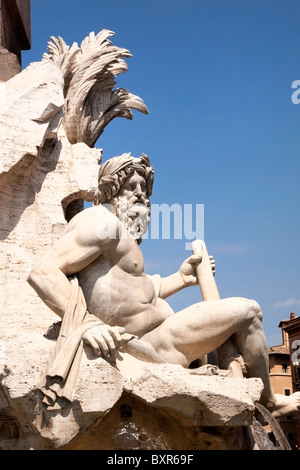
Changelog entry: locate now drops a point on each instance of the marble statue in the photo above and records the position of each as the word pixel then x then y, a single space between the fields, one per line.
pixel 192 379
pixel 119 303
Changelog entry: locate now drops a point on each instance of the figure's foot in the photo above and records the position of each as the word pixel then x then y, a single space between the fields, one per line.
pixel 283 405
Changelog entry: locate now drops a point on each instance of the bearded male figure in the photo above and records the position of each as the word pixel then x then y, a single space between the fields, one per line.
pixel 101 247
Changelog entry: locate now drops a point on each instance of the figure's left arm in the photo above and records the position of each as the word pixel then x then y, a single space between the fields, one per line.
pixel 184 277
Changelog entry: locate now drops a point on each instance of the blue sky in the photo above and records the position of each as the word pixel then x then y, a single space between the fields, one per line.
pixel 221 130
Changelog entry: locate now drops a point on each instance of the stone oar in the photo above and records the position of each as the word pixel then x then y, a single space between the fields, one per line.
pixel 206 280
pixel 209 291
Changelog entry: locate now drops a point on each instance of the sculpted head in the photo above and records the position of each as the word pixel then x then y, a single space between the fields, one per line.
pixel 126 182
pixel 117 171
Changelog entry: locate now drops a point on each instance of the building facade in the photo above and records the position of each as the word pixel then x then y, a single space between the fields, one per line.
pixel 284 369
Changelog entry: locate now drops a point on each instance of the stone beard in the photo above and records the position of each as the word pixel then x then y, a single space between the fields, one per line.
pixel 135 217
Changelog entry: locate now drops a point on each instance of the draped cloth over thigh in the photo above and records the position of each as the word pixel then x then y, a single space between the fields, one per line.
pixel 65 358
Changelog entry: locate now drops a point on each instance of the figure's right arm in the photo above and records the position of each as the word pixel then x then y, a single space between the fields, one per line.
pixel 83 242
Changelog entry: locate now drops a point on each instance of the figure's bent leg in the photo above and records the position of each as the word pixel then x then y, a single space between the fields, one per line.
pixel 205 326
pixel 202 328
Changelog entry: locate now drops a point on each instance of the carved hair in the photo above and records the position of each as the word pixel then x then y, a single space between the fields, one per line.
pixel 116 171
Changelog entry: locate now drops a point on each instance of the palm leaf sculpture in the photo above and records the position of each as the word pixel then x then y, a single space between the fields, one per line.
pixel 89 72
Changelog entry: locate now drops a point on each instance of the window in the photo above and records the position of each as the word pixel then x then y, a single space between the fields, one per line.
pixel 284 368
pixel 287 392
pixel 291 437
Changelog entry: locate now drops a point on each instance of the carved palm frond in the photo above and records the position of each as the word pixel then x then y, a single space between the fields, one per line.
pixel 64 57
pixel 89 73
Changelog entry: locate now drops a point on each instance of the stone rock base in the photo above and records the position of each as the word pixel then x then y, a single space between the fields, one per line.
pixel 132 425
pixel 132 405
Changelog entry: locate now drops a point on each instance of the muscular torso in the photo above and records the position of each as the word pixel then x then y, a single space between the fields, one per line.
pixel 119 293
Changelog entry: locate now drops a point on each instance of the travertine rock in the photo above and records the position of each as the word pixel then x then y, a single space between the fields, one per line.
pixel 204 400
pixel 174 398
pixel 32 105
